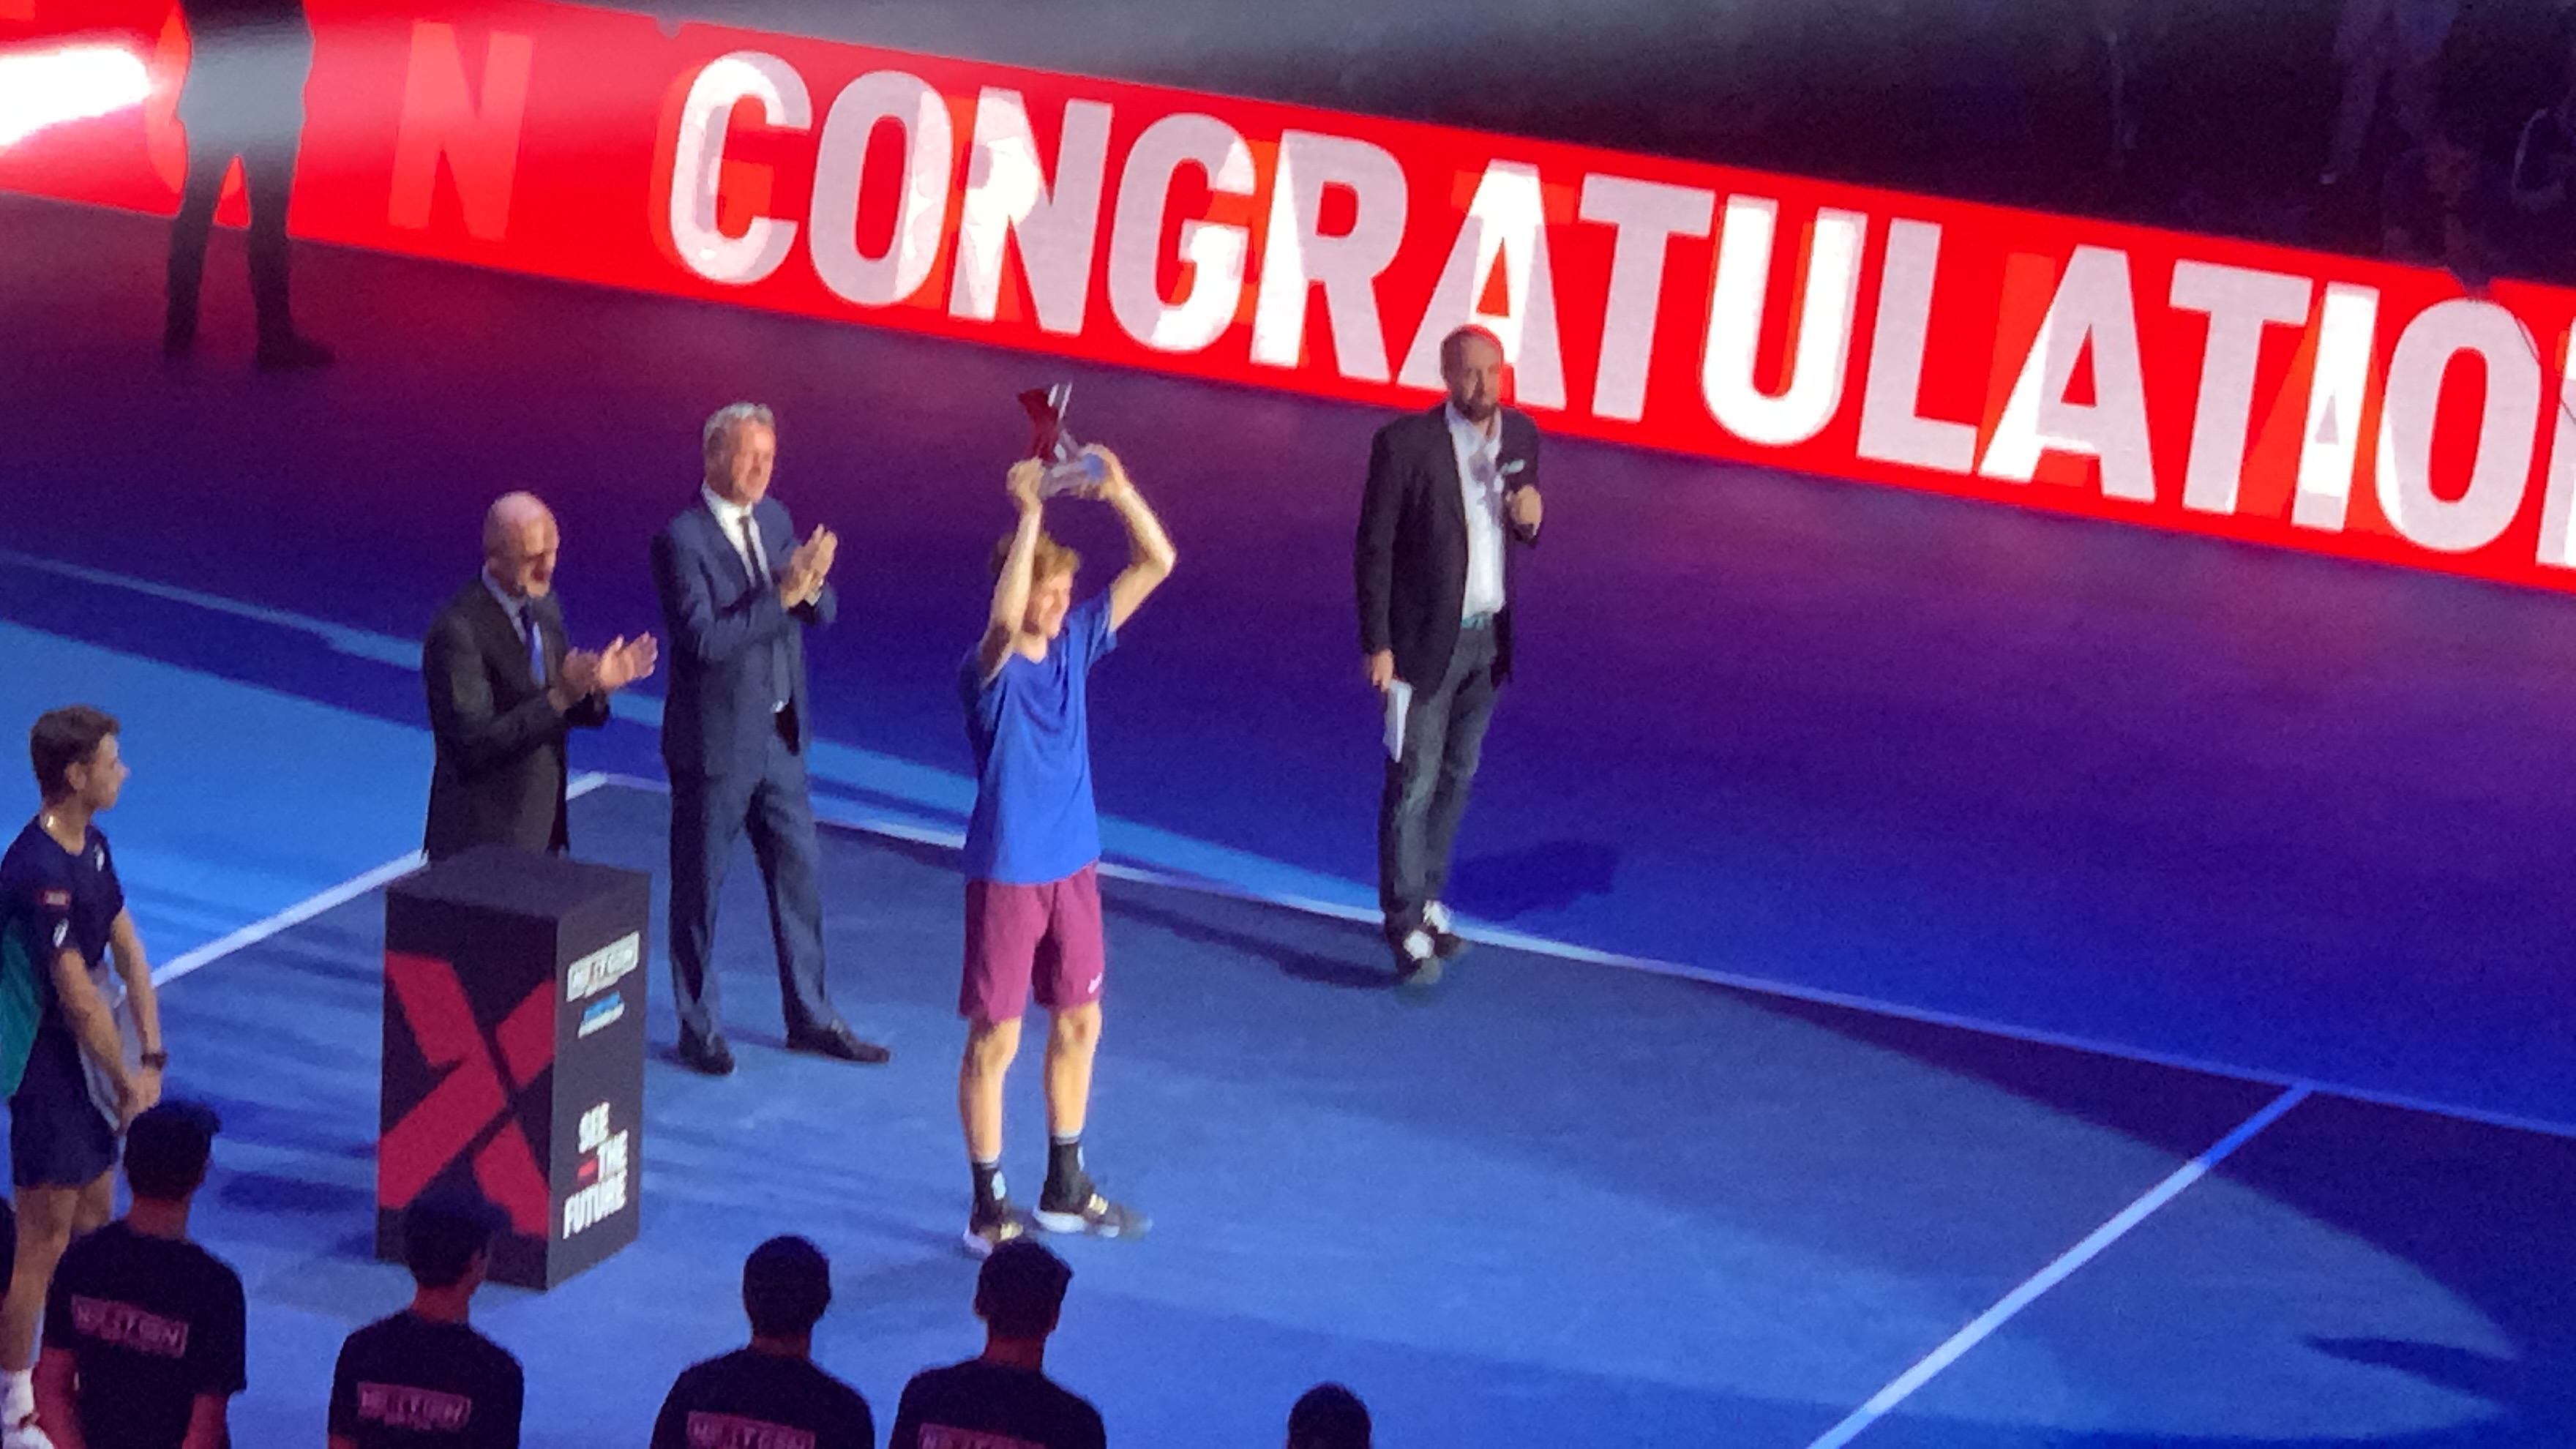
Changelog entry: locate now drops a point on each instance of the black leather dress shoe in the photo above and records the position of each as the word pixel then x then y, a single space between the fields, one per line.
pixel 706 1055
pixel 838 1042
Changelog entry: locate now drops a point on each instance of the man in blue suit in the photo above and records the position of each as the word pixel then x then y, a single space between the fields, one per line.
pixel 736 588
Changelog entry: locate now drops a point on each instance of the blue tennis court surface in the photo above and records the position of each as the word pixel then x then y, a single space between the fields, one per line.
pixel 1969 782
pixel 2286 814
pixel 1555 1204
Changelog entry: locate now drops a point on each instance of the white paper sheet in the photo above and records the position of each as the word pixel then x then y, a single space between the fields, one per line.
pixel 1399 700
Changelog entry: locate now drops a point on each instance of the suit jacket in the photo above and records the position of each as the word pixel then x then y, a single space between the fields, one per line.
pixel 499 779
pixel 1412 549
pixel 728 635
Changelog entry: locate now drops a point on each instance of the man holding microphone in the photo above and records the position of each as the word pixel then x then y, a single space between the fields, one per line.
pixel 1449 492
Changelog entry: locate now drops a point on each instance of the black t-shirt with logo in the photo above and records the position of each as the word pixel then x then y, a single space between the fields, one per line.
pixel 753 1400
pixel 407 1383
pixel 153 1324
pixel 982 1405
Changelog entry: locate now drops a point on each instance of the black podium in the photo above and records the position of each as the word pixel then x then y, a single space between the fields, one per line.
pixel 514 1053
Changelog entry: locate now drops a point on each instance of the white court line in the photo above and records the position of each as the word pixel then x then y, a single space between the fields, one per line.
pixel 294 915
pixel 948 839
pixel 406 654
pixel 1510 940
pixel 1984 1324
pixel 363 643
pixel 311 906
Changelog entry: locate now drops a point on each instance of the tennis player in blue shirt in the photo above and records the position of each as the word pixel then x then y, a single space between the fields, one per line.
pixel 1033 846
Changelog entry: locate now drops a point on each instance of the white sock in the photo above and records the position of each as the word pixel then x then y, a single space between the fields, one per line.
pixel 17 1395
pixel 1436 916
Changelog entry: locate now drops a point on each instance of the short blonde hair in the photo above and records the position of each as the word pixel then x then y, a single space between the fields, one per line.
pixel 1051 558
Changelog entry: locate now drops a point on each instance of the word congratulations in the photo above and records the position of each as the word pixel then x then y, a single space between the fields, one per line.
pixel 2323 403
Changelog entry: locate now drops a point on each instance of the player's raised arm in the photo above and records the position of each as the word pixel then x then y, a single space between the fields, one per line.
pixel 1011 589
pixel 1150 555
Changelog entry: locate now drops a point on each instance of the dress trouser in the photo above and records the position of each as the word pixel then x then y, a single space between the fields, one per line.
pixel 708 816
pixel 1427 785
pixel 266 134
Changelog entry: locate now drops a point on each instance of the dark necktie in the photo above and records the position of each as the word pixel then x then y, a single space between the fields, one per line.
pixel 536 641
pixel 780 667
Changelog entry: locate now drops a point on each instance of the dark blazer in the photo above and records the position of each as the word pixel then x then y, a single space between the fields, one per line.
pixel 726 634
pixel 499 779
pixel 1412 549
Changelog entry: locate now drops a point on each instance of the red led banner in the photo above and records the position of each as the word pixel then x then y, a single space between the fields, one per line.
pixel 2256 393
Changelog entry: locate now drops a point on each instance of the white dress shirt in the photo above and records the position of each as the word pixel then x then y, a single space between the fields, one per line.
pixel 747 547
pixel 729 517
pixel 1481 487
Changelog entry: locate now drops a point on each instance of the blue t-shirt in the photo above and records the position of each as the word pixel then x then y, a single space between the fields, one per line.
pixel 1031 728
pixel 63 901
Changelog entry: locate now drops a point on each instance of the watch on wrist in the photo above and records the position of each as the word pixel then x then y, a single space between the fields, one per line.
pixel 157 1061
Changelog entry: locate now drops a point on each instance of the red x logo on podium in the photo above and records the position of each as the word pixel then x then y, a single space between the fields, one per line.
pixel 472 1104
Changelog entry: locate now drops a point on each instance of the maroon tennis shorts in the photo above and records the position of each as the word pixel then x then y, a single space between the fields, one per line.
pixel 1019 933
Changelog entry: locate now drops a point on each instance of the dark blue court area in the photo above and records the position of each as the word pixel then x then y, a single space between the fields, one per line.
pixel 2121 972
pixel 1553 1204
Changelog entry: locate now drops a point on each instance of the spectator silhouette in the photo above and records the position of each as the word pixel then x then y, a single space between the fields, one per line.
pixel 143 1328
pixel 244 97
pixel 2119 35
pixel 2543 186
pixel 1328 1416
pixel 2443 206
pixel 770 1393
pixel 424 1376
pixel 2394 45
pixel 1003 1397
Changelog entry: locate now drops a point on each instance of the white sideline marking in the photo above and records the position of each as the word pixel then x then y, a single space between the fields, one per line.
pixel 311 906
pixel 294 915
pixel 643 709
pixel 363 643
pixel 1984 1324
pixel 1529 945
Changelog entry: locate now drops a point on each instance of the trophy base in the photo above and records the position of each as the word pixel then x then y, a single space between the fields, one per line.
pixel 1073 475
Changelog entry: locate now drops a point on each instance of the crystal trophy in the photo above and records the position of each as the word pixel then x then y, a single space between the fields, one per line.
pixel 1069 468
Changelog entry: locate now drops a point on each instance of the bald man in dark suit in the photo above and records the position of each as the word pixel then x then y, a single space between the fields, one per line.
pixel 505 690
